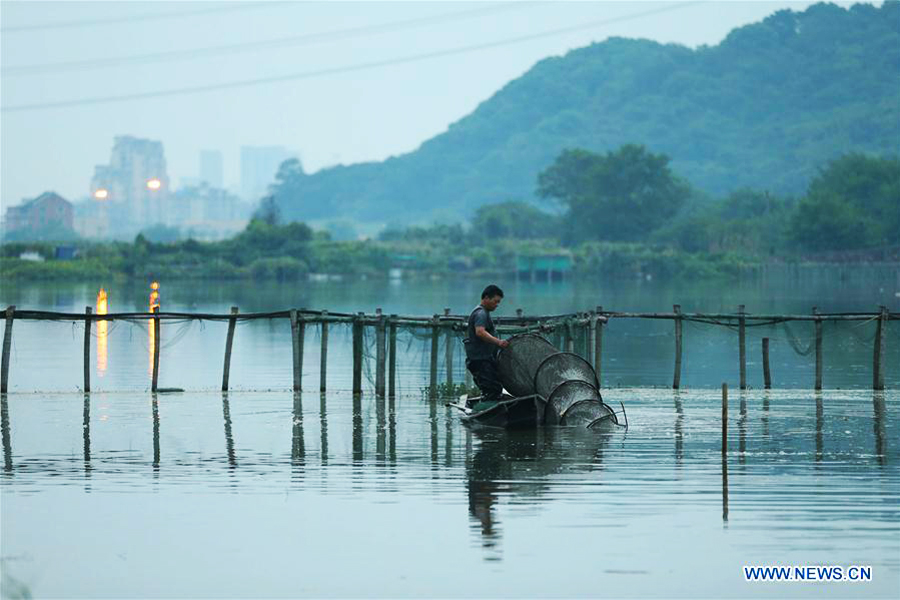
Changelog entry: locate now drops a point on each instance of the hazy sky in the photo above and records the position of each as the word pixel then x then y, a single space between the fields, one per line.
pixel 349 92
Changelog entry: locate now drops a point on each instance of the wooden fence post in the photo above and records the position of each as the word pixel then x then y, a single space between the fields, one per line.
pixel 357 353
pixel 7 345
pixel 155 381
pixel 87 349
pixel 229 339
pixel 676 381
pixel 877 367
pixel 598 345
pixel 742 341
pixel 818 324
pixel 592 336
pixel 295 346
pixel 323 358
pixel 767 376
pixel 435 332
pixel 392 357
pixel 379 354
pixel 448 350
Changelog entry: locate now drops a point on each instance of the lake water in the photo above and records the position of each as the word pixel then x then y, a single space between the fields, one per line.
pixel 261 493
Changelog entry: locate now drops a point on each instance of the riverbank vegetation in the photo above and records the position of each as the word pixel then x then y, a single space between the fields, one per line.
pixel 624 213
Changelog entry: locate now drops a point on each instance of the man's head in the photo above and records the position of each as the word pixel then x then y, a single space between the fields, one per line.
pixel 491 297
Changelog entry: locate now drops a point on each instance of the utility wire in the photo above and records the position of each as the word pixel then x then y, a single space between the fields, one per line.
pixel 143 17
pixel 336 70
pixel 297 40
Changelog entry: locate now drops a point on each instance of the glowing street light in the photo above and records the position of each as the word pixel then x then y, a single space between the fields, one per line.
pixel 101 194
pixel 154 184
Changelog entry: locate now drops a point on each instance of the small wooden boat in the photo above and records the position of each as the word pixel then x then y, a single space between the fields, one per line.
pixel 509 413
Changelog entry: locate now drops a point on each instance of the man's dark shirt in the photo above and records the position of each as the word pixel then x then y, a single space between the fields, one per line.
pixel 476 348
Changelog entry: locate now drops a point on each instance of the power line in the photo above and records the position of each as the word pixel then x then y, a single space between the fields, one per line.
pixel 260 45
pixel 339 70
pixel 143 17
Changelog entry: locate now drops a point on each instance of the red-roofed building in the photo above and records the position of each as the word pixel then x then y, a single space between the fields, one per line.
pixel 46 211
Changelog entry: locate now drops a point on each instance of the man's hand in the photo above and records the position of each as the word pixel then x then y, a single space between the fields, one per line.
pixel 503 343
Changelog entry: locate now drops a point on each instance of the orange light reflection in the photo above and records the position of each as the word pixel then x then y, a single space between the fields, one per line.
pixel 102 332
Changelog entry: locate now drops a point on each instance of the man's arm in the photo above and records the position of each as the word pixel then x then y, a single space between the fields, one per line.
pixel 482 334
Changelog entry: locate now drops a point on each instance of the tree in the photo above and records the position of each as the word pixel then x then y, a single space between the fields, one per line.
pixel 518 220
pixel 268 211
pixel 623 195
pixel 853 203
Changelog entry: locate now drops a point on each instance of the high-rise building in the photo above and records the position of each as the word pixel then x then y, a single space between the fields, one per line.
pixel 134 184
pixel 211 168
pixel 259 164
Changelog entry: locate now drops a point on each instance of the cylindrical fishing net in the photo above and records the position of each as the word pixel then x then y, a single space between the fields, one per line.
pixel 565 395
pixel 586 412
pixel 561 367
pixel 519 361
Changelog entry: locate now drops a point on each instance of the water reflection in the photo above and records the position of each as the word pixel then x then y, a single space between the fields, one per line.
pixel 155 405
pixel 820 420
pixel 879 427
pixel 521 463
pixel 380 431
pixel 229 440
pixel 742 429
pixel 392 431
pixel 323 430
pixel 432 419
pixel 298 449
pixel 102 332
pixel 86 429
pixel 357 429
pixel 4 428
pixel 679 429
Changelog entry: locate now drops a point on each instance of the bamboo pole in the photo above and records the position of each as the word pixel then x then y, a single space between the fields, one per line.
pixel 154 386
pixel 591 337
pixel 448 351
pixel 742 341
pixel 767 375
pixel 301 345
pixel 295 346
pixel 379 354
pixel 7 345
pixel 357 354
pixel 392 357
pixel 877 367
pixel 229 340
pixel 676 381
pixel 323 358
pixel 435 332
pixel 87 349
pixel 818 324
pixel 724 419
pixel 598 346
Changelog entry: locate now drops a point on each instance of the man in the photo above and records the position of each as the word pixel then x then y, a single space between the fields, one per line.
pixel 482 345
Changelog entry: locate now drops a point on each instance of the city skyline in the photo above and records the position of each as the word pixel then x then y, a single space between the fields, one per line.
pixel 370 80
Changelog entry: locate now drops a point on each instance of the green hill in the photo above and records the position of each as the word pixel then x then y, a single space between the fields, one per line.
pixel 763 109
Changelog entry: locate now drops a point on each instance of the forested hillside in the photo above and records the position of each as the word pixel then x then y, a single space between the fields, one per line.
pixel 762 110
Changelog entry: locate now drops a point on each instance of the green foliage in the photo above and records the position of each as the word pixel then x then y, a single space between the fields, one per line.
pixel 623 195
pixel 853 203
pixel 282 268
pixel 764 108
pixel 448 390
pixel 512 220
pixel 50 233
pixel 161 233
